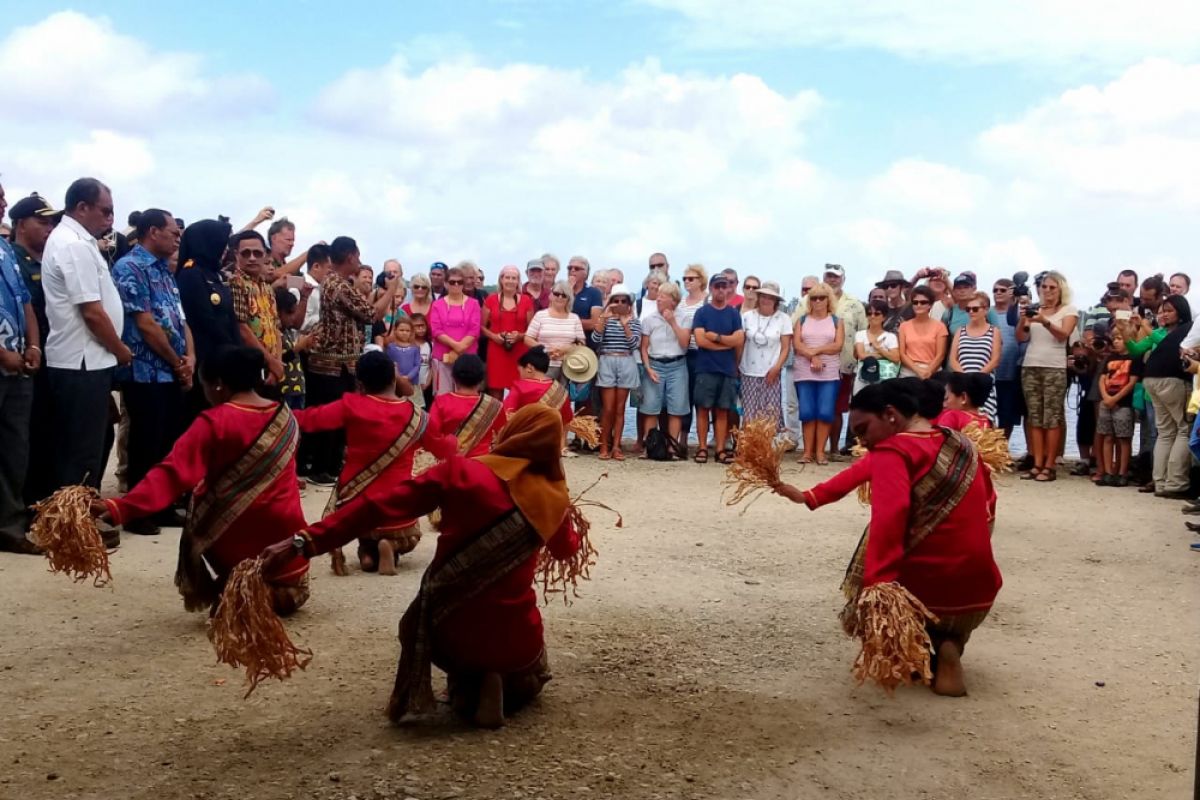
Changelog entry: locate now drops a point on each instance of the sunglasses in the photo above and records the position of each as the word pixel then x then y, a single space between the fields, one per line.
pixel 920 302
pixel 560 294
pixel 973 309
pixel 892 285
pixel 687 278
pixel 454 282
pixel 1001 290
pixel 576 269
pixel 422 288
pixel 875 314
pixel 751 287
pixel 620 301
pixel 252 253
pixel 658 266
pixel 817 297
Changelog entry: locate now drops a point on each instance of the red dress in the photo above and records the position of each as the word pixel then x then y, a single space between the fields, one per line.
pixel 526 392
pixel 501 363
pixel 498 630
pixel 952 569
pixel 218 438
pixel 449 411
pixel 958 419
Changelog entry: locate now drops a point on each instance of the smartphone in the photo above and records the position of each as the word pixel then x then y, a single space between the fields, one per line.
pixel 295 281
pixel 1123 315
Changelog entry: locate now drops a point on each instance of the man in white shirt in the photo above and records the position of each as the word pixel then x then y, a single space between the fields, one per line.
pixel 84 347
pixel 320 264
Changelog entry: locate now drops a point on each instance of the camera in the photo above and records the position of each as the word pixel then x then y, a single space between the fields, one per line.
pixel 1020 284
pixel 1032 309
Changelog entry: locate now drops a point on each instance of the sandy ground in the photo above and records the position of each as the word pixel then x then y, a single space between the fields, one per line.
pixel 703 660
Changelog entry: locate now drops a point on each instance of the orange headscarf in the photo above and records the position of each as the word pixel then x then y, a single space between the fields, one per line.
pixel 527 456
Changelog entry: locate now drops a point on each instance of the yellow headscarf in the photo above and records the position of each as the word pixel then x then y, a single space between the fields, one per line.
pixel 527 455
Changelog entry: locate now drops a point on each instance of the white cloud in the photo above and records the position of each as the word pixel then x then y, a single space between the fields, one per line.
pixel 1044 31
pixel 925 187
pixel 1137 137
pixel 77 67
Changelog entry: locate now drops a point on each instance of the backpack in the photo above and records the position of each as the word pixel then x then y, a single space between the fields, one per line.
pixel 656 446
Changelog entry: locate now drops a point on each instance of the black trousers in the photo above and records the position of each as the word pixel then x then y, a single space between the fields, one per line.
pixel 16 400
pixel 156 413
pixel 81 424
pixel 39 478
pixel 324 450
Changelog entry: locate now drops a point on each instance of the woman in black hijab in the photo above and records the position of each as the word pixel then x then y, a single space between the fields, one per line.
pixel 205 295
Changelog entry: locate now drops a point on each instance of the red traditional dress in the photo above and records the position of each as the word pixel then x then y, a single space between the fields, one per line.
pixel 929 529
pixel 382 437
pixel 527 391
pixel 958 419
pixel 493 628
pixel 239 463
pixel 501 363
pixel 473 419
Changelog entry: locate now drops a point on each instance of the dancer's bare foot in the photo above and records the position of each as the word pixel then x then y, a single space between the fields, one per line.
pixel 948 680
pixel 338 562
pixel 387 558
pixel 490 711
pixel 366 562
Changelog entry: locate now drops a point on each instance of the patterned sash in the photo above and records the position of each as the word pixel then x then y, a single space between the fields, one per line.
pixel 218 503
pixel 555 396
pixel 356 485
pixel 934 496
pixel 500 548
pixel 477 424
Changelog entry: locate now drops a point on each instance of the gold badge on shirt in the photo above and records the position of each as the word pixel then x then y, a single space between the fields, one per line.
pixel 215 298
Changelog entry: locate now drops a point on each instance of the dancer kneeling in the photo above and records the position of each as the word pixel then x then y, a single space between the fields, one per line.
pixel 929 527
pixel 239 461
pixel 475 615
pixel 383 432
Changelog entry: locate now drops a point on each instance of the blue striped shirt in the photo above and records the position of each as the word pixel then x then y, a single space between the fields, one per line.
pixel 614 340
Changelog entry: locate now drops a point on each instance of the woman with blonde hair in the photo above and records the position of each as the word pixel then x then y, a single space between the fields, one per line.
pixel 817 340
pixel 422 296
pixel 1047 328
pixel 695 288
pixel 506 316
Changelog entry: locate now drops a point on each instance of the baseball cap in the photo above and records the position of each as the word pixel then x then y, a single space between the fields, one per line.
pixel 535 263
pixel 33 206
pixel 719 277
pixel 965 279
pixel 835 269
pixel 438 265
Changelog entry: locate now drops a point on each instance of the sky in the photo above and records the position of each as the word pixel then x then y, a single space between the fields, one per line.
pixel 771 137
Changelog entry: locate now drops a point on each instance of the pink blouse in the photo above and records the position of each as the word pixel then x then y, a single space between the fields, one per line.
pixel 818 333
pixel 456 322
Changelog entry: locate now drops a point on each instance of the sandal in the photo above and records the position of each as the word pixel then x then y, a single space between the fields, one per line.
pixel 617 455
pixel 701 456
pixel 1032 475
pixel 1047 476
pixel 604 456
pixel 725 457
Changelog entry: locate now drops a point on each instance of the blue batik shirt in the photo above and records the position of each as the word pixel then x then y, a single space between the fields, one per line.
pixel 146 285
pixel 14 294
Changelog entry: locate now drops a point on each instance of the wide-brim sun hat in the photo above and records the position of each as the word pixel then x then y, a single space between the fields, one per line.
pixel 620 289
pixel 579 364
pixel 770 289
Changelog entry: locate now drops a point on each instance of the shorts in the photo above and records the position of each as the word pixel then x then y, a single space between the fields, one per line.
pixel 672 389
pixel 818 400
pixel 1085 423
pixel 1010 404
pixel 1116 422
pixel 714 390
pixel 1045 391
pixel 617 372
pixel 845 392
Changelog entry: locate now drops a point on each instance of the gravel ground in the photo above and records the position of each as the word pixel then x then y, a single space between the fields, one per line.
pixel 704 659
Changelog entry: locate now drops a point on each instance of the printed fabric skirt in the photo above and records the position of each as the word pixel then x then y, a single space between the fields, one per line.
pixel 762 399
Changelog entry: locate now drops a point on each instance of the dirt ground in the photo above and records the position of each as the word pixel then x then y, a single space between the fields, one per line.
pixel 704 659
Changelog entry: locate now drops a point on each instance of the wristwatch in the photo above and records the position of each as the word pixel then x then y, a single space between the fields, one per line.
pixel 300 544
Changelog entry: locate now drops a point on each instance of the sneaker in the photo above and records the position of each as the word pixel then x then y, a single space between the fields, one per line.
pixel 322 479
pixel 23 546
pixel 1195 547
pixel 1178 494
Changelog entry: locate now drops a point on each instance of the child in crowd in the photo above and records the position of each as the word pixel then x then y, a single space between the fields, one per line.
pixel 406 355
pixel 965 394
pixel 383 433
pixel 468 413
pixel 532 386
pixel 1119 375
pixel 421 338
pixel 291 317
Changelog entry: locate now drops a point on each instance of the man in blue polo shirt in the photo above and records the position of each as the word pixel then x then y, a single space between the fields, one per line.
pixel 717 327
pixel 963 290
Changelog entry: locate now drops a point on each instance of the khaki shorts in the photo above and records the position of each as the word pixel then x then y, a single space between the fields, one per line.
pixel 1045 391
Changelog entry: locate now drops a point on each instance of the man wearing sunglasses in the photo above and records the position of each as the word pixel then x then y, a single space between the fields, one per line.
pixel 957 316
pixel 254 301
pixel 84 347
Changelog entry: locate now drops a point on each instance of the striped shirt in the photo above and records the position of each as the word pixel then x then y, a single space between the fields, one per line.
pixel 613 339
pixel 551 331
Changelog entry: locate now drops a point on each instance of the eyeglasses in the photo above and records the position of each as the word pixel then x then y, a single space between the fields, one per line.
pixel 252 253
pixel 563 295
pixel 454 282
pixel 658 266
pixel 920 303
pixel 973 309
pixel 688 278
pixel 575 268
pixel 751 287
pixel 621 301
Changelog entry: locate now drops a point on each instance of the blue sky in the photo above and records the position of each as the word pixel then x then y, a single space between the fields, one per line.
pixel 772 136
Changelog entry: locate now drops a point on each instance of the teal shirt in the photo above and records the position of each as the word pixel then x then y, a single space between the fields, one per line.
pixel 1142 346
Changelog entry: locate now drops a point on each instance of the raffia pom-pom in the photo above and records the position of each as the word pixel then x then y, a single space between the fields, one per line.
pixel 64 528
pixel 586 429
pixel 755 466
pixel 992 446
pixel 890 622
pixel 246 632
pixel 562 576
